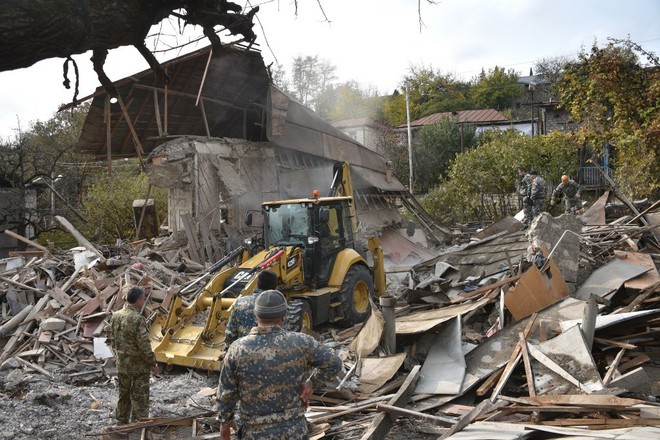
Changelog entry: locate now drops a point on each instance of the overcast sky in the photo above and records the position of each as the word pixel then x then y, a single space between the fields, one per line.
pixel 374 42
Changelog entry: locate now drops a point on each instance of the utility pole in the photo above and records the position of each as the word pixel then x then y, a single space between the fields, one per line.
pixel 410 159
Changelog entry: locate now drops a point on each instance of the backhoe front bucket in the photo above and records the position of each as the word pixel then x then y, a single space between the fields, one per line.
pixel 191 343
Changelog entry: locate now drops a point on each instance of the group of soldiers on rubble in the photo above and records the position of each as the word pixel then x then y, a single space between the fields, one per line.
pixel 532 188
pixel 268 373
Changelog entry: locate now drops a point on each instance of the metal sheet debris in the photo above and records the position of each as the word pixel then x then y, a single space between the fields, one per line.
pixel 609 278
pixel 420 322
pixel 444 367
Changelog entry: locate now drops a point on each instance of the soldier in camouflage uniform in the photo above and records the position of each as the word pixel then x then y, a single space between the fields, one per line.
pixel 242 319
pixel 266 373
pixel 537 193
pixel 570 191
pixel 134 358
pixel 524 189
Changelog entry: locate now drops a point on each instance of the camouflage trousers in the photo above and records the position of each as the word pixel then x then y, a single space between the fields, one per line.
pixel 527 209
pixel 570 205
pixel 287 430
pixel 538 205
pixel 133 402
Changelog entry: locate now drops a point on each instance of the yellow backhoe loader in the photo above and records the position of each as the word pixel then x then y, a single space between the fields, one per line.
pixel 310 244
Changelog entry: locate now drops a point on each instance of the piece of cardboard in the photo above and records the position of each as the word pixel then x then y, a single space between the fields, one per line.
pixel 535 291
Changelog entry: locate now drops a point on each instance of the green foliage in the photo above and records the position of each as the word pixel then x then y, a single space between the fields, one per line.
pixel 496 89
pixel 61 239
pixel 434 147
pixel 429 92
pixel 481 181
pixel 34 159
pixel 108 203
pixel 615 99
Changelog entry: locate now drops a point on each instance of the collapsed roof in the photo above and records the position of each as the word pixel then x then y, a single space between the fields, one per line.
pixel 225 95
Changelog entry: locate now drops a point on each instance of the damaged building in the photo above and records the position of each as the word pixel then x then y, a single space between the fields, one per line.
pixel 549 332
pixel 222 139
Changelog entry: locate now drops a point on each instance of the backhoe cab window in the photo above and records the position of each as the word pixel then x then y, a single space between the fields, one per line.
pixel 287 224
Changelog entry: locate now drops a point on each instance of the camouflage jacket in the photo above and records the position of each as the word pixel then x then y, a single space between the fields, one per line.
pixel 570 190
pixel 241 319
pixel 525 185
pixel 539 190
pixel 130 338
pixel 264 371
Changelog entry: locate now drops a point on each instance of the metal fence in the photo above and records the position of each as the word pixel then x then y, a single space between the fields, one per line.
pixel 591 178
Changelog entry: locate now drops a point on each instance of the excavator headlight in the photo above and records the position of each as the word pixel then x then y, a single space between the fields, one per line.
pixel 312 239
pixel 248 241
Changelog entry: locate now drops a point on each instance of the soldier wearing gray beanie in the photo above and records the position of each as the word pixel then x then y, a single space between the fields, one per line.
pixel 270 304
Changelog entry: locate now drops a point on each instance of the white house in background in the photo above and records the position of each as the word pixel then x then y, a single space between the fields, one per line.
pixel 365 130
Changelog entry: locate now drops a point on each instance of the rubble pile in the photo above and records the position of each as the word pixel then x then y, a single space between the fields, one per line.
pixel 56 306
pixel 546 332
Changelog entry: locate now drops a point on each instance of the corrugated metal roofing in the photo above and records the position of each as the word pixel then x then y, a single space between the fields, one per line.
pixel 482 116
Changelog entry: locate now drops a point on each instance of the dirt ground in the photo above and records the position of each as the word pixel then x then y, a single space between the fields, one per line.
pixel 31 407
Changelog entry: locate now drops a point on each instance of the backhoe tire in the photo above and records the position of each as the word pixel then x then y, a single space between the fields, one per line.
pixel 299 315
pixel 357 288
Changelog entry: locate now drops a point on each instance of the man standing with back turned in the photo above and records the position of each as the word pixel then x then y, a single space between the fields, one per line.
pixel 269 373
pixel 241 318
pixel 134 357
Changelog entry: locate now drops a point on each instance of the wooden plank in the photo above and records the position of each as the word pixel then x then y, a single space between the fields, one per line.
pixel 613 367
pixel 27 241
pixel 545 360
pixel 528 366
pixel 631 380
pixel 488 288
pixel 436 420
pixel 382 423
pixel 27 325
pixel 21 285
pixel 634 362
pixel 96 302
pixel 586 400
pixel 610 423
pixel 79 237
pixel 34 367
pixel 15 321
pixel 484 407
pixel 513 360
pixel 60 296
pixel 490 382
pixel 191 234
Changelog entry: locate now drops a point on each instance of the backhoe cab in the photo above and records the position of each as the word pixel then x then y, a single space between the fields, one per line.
pixel 310 244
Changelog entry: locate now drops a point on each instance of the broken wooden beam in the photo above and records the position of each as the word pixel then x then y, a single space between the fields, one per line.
pixel 14 322
pixel 436 420
pixel 382 423
pixel 79 237
pixel 485 406
pixel 27 241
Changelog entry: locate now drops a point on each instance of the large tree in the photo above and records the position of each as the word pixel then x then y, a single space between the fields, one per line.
pixel 40 172
pixel 31 31
pixel 498 88
pixel 429 92
pixel 614 96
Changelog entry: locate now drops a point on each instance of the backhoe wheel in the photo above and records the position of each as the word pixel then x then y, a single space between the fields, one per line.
pixel 357 288
pixel 299 315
